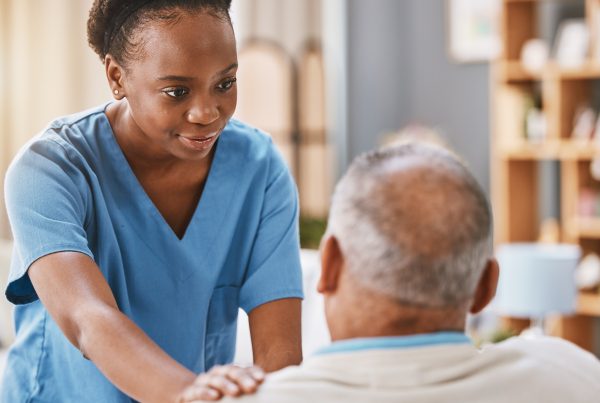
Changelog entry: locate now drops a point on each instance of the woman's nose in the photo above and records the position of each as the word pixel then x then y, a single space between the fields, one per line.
pixel 204 112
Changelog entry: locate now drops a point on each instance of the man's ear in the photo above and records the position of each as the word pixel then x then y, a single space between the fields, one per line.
pixel 332 263
pixel 486 288
pixel 114 74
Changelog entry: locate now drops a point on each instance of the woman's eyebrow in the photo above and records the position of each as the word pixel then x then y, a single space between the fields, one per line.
pixel 230 67
pixel 185 78
pixel 174 78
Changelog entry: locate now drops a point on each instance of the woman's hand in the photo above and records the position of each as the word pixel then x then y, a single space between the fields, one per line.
pixel 227 380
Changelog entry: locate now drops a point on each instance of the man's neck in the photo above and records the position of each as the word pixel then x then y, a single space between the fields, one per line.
pixel 377 316
pixel 399 327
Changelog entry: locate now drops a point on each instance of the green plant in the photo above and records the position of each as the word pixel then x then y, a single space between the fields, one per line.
pixel 311 232
pixel 501 335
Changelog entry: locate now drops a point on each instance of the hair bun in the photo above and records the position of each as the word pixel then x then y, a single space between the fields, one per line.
pixel 111 22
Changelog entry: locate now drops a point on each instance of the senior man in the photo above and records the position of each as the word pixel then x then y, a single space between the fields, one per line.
pixel 407 255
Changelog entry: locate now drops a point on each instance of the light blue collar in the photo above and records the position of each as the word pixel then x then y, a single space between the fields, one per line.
pixel 380 343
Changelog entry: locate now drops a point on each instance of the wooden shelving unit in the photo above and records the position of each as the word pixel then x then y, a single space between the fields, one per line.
pixel 512 71
pixel 515 159
pixel 588 304
pixel 588 228
pixel 549 150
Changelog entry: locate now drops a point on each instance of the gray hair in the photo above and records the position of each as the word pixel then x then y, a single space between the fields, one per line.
pixel 413 224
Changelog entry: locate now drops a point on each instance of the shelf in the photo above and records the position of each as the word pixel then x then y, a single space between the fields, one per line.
pixel 588 304
pixel 512 71
pixel 533 1
pixel 517 181
pixel 550 150
pixel 588 227
pixel 589 71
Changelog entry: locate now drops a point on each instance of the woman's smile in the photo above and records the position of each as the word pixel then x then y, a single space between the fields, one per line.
pixel 199 143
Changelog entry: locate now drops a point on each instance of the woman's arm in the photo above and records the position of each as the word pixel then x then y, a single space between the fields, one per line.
pixel 78 298
pixel 276 334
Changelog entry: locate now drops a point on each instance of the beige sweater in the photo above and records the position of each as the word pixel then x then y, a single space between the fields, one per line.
pixel 544 370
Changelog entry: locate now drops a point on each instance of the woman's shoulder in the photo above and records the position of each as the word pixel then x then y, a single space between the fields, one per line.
pixel 78 119
pixel 66 138
pixel 251 143
pixel 248 138
pixel 70 130
pixel 76 129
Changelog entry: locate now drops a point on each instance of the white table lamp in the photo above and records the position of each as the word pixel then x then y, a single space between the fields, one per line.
pixel 536 280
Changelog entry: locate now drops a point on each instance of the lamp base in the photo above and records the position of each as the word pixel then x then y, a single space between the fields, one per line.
pixel 536 329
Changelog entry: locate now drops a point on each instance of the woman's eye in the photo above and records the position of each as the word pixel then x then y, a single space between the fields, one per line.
pixel 176 92
pixel 227 84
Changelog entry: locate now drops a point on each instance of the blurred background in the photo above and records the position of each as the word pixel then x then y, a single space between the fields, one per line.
pixel 510 85
pixel 341 74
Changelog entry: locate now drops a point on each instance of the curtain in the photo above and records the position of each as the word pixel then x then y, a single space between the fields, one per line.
pixel 282 89
pixel 289 23
pixel 46 70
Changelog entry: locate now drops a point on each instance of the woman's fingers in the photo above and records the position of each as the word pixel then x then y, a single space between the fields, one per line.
pixel 198 392
pixel 221 382
pixel 227 380
pixel 257 373
pixel 246 378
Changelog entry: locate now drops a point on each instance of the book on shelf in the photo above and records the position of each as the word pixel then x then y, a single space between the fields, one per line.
pixel 512 105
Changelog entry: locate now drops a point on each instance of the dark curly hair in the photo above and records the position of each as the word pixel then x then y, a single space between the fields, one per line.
pixel 112 24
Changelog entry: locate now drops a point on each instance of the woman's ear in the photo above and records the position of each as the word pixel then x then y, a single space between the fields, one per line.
pixel 332 263
pixel 114 74
pixel 486 288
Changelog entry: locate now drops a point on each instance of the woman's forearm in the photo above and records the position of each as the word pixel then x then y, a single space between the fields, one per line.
pixel 129 358
pixel 78 298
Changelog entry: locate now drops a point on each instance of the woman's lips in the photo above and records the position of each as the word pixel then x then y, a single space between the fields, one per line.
pixel 198 143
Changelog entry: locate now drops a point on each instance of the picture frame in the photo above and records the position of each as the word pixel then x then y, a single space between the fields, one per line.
pixel 474 30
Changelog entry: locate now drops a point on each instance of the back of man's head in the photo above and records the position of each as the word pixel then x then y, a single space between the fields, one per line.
pixel 413 225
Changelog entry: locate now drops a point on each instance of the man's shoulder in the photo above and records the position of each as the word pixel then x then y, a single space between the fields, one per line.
pixel 539 367
pixel 546 347
pixel 552 358
pixel 288 385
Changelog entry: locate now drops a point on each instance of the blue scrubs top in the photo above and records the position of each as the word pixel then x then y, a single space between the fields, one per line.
pixel 71 189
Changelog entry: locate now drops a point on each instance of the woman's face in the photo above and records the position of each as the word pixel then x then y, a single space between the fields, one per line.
pixel 181 90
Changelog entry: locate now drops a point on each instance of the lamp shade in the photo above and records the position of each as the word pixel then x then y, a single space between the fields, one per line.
pixel 536 279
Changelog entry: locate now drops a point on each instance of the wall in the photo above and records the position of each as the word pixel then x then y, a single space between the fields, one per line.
pixel 400 72
pixel 379 70
pixel 454 97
